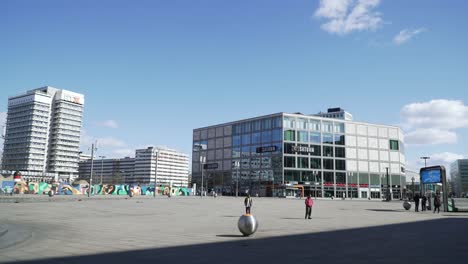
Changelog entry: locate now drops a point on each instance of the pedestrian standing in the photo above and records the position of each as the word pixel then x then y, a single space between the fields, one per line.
pixel 423 203
pixel 248 203
pixel 416 202
pixel 308 204
pixel 437 203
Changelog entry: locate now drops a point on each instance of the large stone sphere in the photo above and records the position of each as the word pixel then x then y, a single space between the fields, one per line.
pixel 51 193
pixel 407 205
pixel 247 224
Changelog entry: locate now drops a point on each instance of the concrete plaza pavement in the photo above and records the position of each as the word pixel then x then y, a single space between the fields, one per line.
pixel 202 230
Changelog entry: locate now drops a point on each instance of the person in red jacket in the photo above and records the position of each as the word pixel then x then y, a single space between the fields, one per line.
pixel 308 203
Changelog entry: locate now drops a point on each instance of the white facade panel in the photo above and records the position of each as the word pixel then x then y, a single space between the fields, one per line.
pixel 393 133
pixel 350 129
pixel 383 132
pixel 372 131
pixel 362 142
pixel 350 141
pixel 373 154
pixel 394 168
pixel 384 155
pixel 362 154
pixel 351 165
pixel 383 144
pixel 351 153
pixel 362 130
pixel 394 156
pixel 363 166
pixel 374 167
pixel 373 143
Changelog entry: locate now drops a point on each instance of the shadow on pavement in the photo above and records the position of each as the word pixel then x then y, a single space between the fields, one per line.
pixel 386 210
pixel 432 241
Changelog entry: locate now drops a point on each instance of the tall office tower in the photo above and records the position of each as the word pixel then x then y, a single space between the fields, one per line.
pixel 43 132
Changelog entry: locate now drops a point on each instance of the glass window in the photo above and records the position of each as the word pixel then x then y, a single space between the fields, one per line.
pixel 266 124
pixel 338 128
pixel 340 164
pixel 237 129
pixel 277 121
pixel 291 175
pixel 246 128
pixel 245 151
pixel 327 151
pixel 256 138
pixel 328 177
pixel 315 163
pixel 314 125
pixel 316 150
pixel 288 148
pixel 340 177
pixel 266 136
pixel 339 139
pixel 288 122
pixel 289 162
pixel 200 145
pixel 301 123
pixel 328 164
pixel 289 135
pixel 302 136
pixel 339 152
pixel 246 139
pixel 236 141
pixel 327 138
pixel 276 135
pixel 327 127
pixel 303 162
pixel 257 125
pixel 394 144
pixel 315 137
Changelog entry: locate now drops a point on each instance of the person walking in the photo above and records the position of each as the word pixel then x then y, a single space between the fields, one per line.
pixel 423 203
pixel 308 204
pixel 416 202
pixel 248 203
pixel 437 203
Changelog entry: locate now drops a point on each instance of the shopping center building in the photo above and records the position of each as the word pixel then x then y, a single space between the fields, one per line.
pixel 289 154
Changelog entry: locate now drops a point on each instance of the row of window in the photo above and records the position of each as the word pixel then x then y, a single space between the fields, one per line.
pixel 314 163
pixel 315 125
pixel 314 137
pixel 257 125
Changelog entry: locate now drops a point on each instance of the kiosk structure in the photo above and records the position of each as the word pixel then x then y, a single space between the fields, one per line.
pixel 434 175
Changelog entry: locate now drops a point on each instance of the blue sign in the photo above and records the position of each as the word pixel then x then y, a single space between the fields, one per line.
pixel 431 176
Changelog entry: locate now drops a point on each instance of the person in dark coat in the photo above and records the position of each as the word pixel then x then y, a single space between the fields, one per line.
pixel 437 203
pixel 423 203
pixel 416 202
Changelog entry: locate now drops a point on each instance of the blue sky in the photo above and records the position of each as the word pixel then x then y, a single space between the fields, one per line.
pixel 151 71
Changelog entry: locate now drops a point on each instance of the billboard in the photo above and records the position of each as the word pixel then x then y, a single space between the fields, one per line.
pixel 431 175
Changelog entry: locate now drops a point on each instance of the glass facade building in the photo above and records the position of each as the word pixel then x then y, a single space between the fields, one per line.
pixel 287 154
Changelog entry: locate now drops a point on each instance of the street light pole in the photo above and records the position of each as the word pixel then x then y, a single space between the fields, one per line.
pixel 93 147
pixel 202 163
pixel 412 183
pixel 102 165
pixel 237 164
pixel 389 197
pixel 422 188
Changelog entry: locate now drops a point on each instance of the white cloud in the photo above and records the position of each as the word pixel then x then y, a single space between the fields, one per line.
pixel 441 113
pixel 346 16
pixel 406 34
pixel 436 159
pixel 433 122
pixel 126 152
pixel 430 136
pixel 107 142
pixel 108 124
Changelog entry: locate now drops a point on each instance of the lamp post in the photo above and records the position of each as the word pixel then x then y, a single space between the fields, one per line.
pixel 421 184
pixel 237 165
pixel 93 148
pixel 102 165
pixel 389 197
pixel 412 183
pixel 202 164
